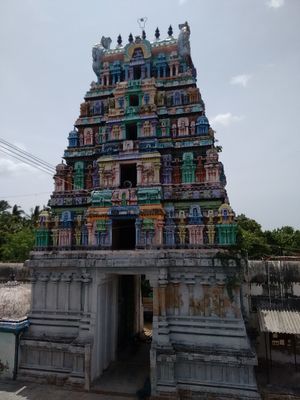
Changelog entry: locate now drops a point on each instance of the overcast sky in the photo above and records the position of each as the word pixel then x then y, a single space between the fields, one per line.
pixel 247 55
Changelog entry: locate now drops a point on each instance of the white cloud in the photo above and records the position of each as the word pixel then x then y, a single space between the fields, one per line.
pixel 241 80
pixel 20 145
pixel 226 119
pixel 275 3
pixel 182 2
pixel 10 168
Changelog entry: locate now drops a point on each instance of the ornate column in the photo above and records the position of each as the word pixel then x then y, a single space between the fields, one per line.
pixel 89 226
pixel 55 237
pixel 44 278
pixel 67 278
pixel 156 171
pixel 139 168
pixel 176 283
pixel 54 278
pixel 191 284
pixel 33 280
pixel 86 279
pixel 163 329
pixel 159 232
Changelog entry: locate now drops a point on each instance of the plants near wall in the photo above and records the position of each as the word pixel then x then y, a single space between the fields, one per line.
pixel 16 232
pixel 257 243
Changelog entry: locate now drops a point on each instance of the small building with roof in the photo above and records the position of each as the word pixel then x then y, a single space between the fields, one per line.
pixel 14 306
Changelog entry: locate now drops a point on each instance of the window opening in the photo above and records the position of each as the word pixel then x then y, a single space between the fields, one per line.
pixel 131 132
pixel 128 175
pixel 137 72
pixel 134 100
pixel 123 234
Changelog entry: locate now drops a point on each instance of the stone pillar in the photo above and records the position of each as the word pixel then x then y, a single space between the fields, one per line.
pixel 156 172
pixel 90 234
pixel 176 296
pixel 162 299
pixel 67 278
pixel 33 280
pixel 44 278
pixel 54 278
pixel 159 232
pixel 190 284
pixel 86 279
pixel 163 329
pixel 139 169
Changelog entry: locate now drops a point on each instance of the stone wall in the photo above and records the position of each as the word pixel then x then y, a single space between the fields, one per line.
pixel 199 338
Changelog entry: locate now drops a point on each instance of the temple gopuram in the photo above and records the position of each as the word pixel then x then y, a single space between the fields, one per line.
pixel 140 197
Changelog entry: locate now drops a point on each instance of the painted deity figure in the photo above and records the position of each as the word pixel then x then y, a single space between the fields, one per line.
pixel 55 237
pixel 89 178
pixel 176 172
pixel 148 173
pixel 95 175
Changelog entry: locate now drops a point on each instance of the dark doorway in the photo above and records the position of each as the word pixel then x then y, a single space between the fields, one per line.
pixel 134 100
pixel 126 310
pixel 128 175
pixel 123 234
pixel 137 72
pixel 133 340
pixel 131 132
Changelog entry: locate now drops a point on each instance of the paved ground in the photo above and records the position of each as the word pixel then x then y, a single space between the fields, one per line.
pixel 123 378
pixel 119 382
pixel 32 391
pixel 129 373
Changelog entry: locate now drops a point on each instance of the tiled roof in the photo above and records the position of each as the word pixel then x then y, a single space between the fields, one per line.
pixel 279 321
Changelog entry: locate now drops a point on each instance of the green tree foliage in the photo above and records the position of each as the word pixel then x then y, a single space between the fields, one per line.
pixel 17 236
pixel 18 245
pixel 258 243
pixel 16 233
pixel 251 238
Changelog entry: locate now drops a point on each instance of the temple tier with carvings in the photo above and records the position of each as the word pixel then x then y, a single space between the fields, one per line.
pixel 143 151
pixel 141 194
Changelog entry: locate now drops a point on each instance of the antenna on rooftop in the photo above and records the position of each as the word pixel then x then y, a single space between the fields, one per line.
pixel 142 22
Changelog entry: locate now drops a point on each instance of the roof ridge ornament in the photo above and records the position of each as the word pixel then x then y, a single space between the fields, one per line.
pixel 142 22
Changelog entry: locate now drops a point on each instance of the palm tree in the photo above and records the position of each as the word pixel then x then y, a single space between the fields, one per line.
pixel 17 211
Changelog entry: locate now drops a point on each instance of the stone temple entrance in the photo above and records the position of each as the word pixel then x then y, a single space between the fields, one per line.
pixel 132 355
pixel 120 321
pixel 142 192
pixel 79 323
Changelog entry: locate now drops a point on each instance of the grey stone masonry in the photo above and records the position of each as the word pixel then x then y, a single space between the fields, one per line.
pixel 199 339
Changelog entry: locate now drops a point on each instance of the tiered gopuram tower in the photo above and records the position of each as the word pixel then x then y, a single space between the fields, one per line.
pixel 141 193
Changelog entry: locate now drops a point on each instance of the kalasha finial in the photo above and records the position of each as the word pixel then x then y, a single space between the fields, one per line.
pixel 170 31
pixel 144 35
pixel 142 22
pixel 157 33
pixel 130 38
pixel 119 40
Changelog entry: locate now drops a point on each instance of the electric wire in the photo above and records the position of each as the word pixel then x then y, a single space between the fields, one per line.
pixel 26 153
pixel 24 158
pixel 36 162
pixel 25 161
pixel 30 159
pixel 12 196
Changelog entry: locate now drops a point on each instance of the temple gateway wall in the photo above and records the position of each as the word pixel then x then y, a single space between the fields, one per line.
pixel 140 204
